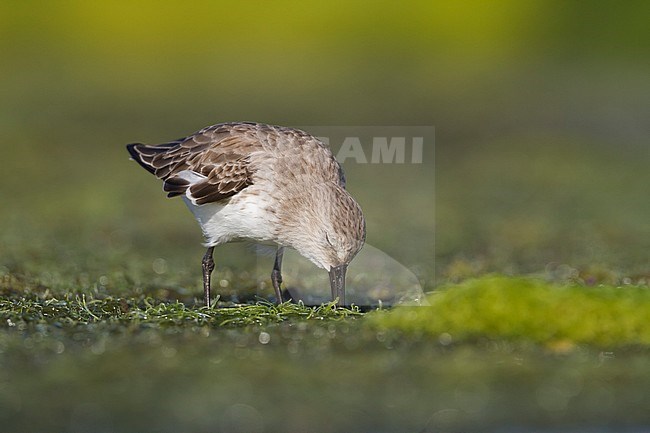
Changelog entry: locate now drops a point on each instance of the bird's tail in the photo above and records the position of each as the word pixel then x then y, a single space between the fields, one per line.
pixel 144 155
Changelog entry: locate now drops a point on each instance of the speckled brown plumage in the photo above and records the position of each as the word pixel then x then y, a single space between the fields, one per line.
pixel 222 153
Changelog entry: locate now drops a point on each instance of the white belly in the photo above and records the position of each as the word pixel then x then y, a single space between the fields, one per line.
pixel 241 218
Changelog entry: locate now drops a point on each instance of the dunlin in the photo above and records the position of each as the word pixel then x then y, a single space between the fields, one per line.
pixel 263 183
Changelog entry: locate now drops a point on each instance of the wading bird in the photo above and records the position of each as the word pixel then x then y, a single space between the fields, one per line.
pixel 263 183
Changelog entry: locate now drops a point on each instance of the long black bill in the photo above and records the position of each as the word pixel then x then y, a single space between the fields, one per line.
pixel 337 282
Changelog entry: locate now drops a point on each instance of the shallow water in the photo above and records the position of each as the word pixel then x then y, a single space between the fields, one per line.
pixel 316 377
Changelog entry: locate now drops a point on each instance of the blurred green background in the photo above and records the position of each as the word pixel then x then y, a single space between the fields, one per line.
pixel 540 107
pixel 541 152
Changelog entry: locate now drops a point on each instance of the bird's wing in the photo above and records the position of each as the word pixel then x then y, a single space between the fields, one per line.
pixel 208 166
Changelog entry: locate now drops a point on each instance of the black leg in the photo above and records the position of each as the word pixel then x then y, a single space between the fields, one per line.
pixel 276 274
pixel 208 267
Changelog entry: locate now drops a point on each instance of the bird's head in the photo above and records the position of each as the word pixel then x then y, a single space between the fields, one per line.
pixel 330 231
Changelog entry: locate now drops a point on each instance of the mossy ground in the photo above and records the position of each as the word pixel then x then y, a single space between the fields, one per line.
pixel 495 308
pixel 529 310
pixel 488 351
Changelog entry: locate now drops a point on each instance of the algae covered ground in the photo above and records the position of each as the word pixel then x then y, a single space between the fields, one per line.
pixel 487 354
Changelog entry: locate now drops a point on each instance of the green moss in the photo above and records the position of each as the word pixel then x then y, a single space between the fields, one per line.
pixel 80 311
pixel 521 309
pixel 487 308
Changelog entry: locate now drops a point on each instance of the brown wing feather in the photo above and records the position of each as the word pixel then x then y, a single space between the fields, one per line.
pixel 219 152
pixel 223 180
